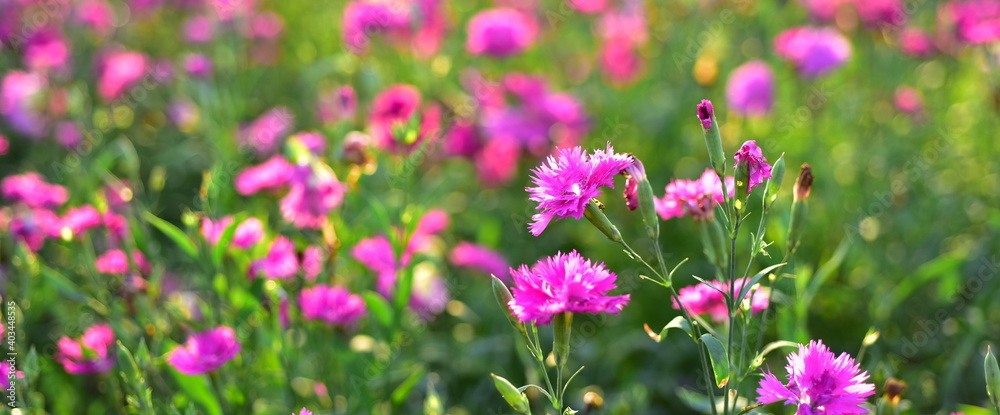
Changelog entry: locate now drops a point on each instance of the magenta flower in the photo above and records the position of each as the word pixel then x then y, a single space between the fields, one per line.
pixel 275 173
pixel 480 258
pixel 314 141
pixel 33 225
pixel 819 383
pixel 377 254
pixel 212 230
pixel 813 51
pixel 750 89
pixel 496 162
pixel 975 21
pixel 500 33
pixel 47 49
pixel 705 113
pixel 314 192
pixel 429 294
pixel 280 262
pixel 31 189
pixel 878 13
pixel 264 134
pixel 363 19
pixel 198 65
pixel 337 104
pixel 695 198
pixel 563 283
pixel 117 227
pixel 6 381
pixel 623 32
pixel 92 353
pixel 334 305
pixel 588 6
pixel 566 183
pixel 916 43
pixel 117 72
pixel 21 102
pixel 4 145
pixel 752 156
pixel 908 100
pixel 115 262
pixel 68 135
pixel 198 30
pixel 392 110
pixel 96 15
pixel 81 219
pixel 822 11
pixel 620 61
pixel 206 351
pixel 265 25
pixel 248 233
pixel 703 300
pixel 312 262
pixel 305 411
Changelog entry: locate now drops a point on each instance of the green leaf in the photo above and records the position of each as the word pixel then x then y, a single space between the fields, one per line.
pixel 31 365
pixel 401 298
pixel 753 281
pixel 223 243
pixel 678 322
pixel 403 390
pixel 67 288
pixel 379 307
pixel 770 347
pixel 992 378
pixel 174 233
pixel 720 362
pixel 199 391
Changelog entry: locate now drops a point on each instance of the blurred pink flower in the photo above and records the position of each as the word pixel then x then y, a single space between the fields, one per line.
pixel 312 140
pixel 620 61
pixel 115 262
pixel 198 65
pixel 337 104
pixel 563 283
pixel 916 43
pixel 462 139
pixel 363 19
pixel 750 89
pixel 265 134
pixel 4 145
pixel 500 33
pixel 212 230
pixel 334 305
pixel 94 352
pixel 429 295
pixel 6 381
pixel 480 258
pixel 377 253
pixel 47 49
pixel 265 25
pixel 975 21
pixel 68 135
pixel 31 189
pixel 117 227
pixel 118 193
pixel 274 173
pixel 822 11
pixel 198 30
pixel 117 72
pixel 695 198
pixel 280 262
pixel 430 18
pixel 702 300
pixel 183 114
pixel 881 13
pixel 81 219
pixel 96 15
pixel 813 51
pixel 205 351
pixel 392 115
pixel 497 162
pixel 22 101
pixel 226 10
pixel 33 225
pixel 909 101
pixel 248 233
pixel 588 6
pixel 537 118
pixel 312 262
pixel 314 191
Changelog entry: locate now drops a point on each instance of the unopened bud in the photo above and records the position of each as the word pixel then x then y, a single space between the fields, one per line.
pixel 713 140
pixel 514 398
pixel 593 401
pixel 894 389
pixel 774 183
pixel 595 214
pixel 804 183
pixel 503 297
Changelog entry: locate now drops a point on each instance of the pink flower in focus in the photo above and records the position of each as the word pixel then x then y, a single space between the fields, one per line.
pixel 500 33
pixel 819 383
pixel 564 184
pixel 198 30
pixel 750 89
pixel 314 191
pixel 280 262
pixel 391 113
pixel 563 283
pixel 81 219
pixel 334 305
pixel 695 198
pixel 813 51
pixel 117 72
pixel 31 190
pixel 702 300
pixel 265 133
pixel 337 104
pixel 93 352
pixel 480 258
pixel 916 43
pixel 212 230
pixel 248 233
pixel 276 172
pixel 753 157
pixel 206 351
pixel 22 101
pixel 312 262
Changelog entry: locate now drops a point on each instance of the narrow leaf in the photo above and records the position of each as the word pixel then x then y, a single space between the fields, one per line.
pixel 720 362
pixel 174 233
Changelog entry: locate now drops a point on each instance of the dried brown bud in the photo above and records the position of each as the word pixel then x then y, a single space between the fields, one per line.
pixel 804 183
pixel 894 389
pixel 593 401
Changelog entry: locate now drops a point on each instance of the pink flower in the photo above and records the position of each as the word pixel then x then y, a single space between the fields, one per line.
pixel 312 262
pixel 391 113
pixel 68 135
pixel 280 262
pixel 695 198
pixel 480 258
pixel 363 19
pixel 198 30
pixel 750 89
pixel 701 299
pixel 206 351
pixel 4 145
pixel 620 61
pixel 376 253
pixel 248 233
pixel 92 353
pixel 752 157
pixel 264 134
pixel 500 33
pixel 813 51
pixel 496 163
pixel 198 65
pixel 563 283
pixel 975 21
pixel 265 25
pixel 183 114
pixel 96 15
pixel 822 11
pixel 117 72
pixel 5 382
pixel 115 262
pixel 429 295
pixel 819 383
pixel 275 173
pixel 117 227
pixel 226 10
pixel 705 113
pixel 305 411
pixel 565 184
pixel 430 18
pixel 916 43
pixel 314 192
pixel 33 225
pixel 312 140
pixel 31 190
pixel 22 101
pixel 47 49
pixel 212 230
pixel 81 219
pixel 588 6
pixel 909 100
pixel 877 13
pixel 334 305
pixel 337 104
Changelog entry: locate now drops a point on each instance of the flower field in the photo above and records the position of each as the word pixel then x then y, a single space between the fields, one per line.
pixel 721 207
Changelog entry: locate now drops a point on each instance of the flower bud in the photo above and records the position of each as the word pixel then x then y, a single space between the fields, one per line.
pixel 894 389
pixel 503 297
pixel 639 193
pixel 796 223
pixel 992 378
pixel 804 183
pixel 515 398
pixel 595 214
pixel 713 140
pixel 774 183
